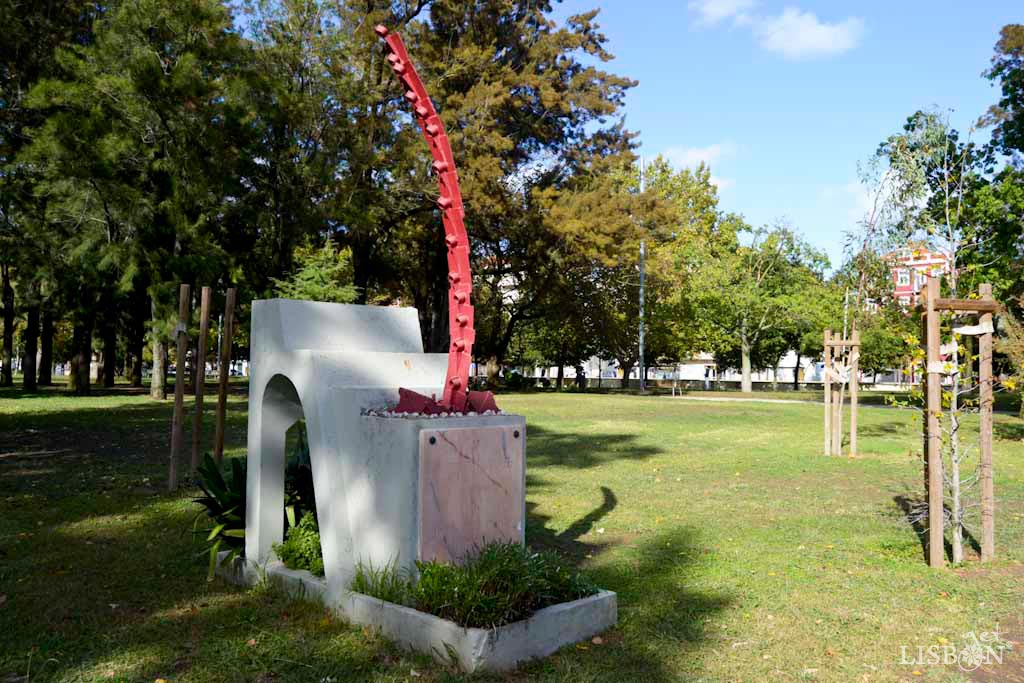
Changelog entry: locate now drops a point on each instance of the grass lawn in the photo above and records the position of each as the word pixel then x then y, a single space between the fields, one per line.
pixel 738 552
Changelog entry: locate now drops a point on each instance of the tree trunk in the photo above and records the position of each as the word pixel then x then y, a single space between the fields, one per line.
pixel 136 342
pixel 157 380
pixel 954 470
pixel 7 373
pixel 627 370
pixel 796 374
pixel 560 377
pixel 28 367
pixel 81 361
pixel 493 368
pixel 746 384
pixel 46 350
pixel 109 345
pixel 361 267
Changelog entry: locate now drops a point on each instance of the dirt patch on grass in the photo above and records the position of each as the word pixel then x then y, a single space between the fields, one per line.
pixel 1011 669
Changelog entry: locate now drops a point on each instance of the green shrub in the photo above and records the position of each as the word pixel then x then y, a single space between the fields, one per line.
pixel 223 500
pixel 502 583
pixel 385 583
pixel 224 505
pixel 301 548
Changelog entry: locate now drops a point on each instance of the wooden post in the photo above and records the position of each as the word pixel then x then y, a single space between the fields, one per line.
pixel 827 385
pixel 204 331
pixel 225 362
pixel 933 408
pixel 854 388
pixel 178 421
pixel 988 503
pixel 837 405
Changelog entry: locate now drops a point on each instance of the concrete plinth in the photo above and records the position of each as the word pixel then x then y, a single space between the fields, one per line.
pixel 471 649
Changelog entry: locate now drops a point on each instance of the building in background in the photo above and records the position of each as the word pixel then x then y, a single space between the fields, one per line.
pixel 911 266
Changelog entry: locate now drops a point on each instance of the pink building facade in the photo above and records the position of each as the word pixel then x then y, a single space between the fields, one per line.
pixel 910 269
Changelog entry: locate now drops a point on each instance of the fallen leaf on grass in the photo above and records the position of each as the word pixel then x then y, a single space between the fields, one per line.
pixel 414 673
pixel 3 599
pixel 251 642
pixel 597 640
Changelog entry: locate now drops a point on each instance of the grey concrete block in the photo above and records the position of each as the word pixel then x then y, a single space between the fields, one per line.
pixel 471 649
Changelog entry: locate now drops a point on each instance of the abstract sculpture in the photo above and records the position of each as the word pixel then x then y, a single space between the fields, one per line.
pixel 456 396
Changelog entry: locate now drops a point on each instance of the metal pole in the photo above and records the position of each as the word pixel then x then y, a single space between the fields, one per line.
pixel 643 254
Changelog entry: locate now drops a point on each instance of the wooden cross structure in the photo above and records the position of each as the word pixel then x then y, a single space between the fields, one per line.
pixel 931 307
pixel 835 372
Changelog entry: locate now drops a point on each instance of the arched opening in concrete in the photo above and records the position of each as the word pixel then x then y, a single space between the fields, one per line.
pixel 286 476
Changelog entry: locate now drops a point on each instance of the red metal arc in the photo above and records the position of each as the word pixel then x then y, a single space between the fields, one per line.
pixel 456 395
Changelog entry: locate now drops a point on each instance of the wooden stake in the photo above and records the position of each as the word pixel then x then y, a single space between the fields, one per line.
pixel 178 421
pixel 854 387
pixel 225 362
pixel 988 500
pixel 204 331
pixel 933 407
pixel 827 384
pixel 837 408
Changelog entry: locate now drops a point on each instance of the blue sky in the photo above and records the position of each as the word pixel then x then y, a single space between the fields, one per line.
pixel 782 99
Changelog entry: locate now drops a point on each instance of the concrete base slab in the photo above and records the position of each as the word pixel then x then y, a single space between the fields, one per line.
pixel 471 649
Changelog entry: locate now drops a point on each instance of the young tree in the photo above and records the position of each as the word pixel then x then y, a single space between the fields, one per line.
pixel 935 174
pixel 321 274
pixel 1007 117
pixel 742 293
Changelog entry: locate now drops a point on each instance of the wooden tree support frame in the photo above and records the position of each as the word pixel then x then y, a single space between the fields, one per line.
pixel 931 308
pixel 182 341
pixel 833 405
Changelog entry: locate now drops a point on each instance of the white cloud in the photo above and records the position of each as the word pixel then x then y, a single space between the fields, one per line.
pixel 711 12
pixel 801 35
pixel 794 34
pixel 722 183
pixel 689 157
pixel 851 202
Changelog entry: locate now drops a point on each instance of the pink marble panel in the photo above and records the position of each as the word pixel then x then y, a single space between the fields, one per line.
pixel 471 489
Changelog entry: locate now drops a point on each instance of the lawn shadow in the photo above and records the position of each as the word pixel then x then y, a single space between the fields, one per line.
pixel 151 614
pixel 40 448
pixel 1008 432
pixel 661 619
pixel 568 542
pixel 547 447
pixel 915 513
pixel 650 577
pixel 881 429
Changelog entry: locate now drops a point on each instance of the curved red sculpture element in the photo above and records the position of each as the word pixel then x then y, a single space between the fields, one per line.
pixel 456 396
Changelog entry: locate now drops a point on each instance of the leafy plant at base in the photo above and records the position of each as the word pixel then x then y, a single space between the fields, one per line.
pixel 387 583
pixel 224 500
pixel 301 549
pixel 502 583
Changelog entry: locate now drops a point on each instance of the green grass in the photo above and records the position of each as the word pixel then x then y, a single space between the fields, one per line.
pixel 738 552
